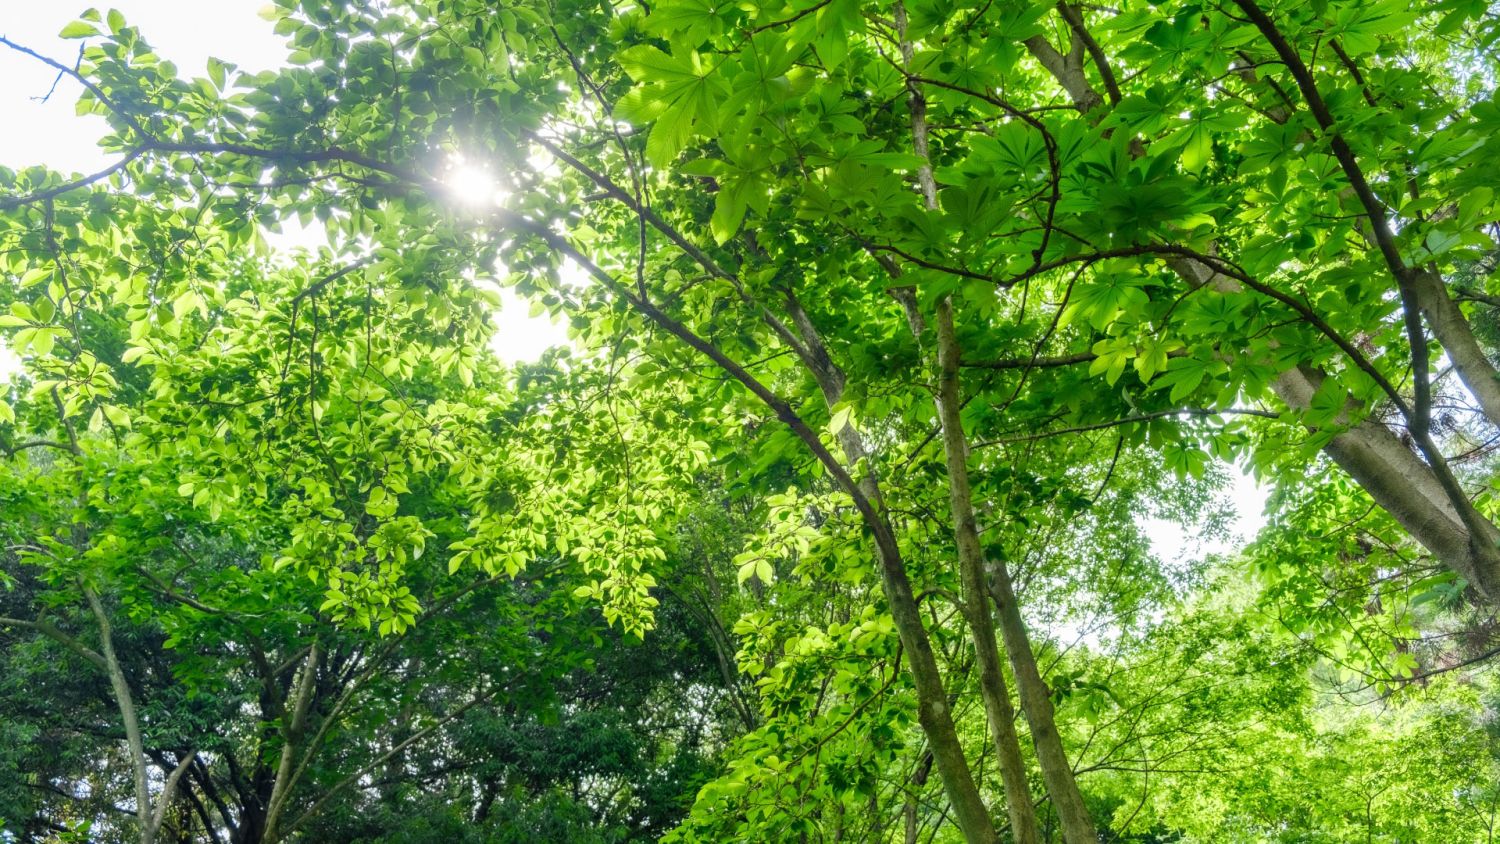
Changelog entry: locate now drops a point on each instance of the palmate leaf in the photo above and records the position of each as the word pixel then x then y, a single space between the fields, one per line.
pixel 647 64
pixel 681 96
pixel 1196 139
pixel 1105 299
pixel 674 128
pixel 1183 376
pixel 690 20
pixel 1111 357
pixel 1151 356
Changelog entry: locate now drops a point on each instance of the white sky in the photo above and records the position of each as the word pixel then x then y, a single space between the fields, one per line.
pixel 1175 544
pixel 185 32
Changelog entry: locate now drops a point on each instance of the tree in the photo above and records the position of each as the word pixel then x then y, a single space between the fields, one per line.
pixel 234 548
pixel 942 266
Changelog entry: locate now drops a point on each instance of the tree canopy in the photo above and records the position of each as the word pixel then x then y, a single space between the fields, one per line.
pixel 889 325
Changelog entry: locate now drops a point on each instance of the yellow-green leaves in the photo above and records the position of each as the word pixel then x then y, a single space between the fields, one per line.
pixel 109 413
pixel 1151 356
pixel 787 536
pixel 1360 27
pixel 78 29
pixel 1111 357
pixel 841 418
pixel 381 504
pixel 1184 375
pixel 753 565
pixel 691 21
pixel 39 341
pixel 36 334
pixel 729 207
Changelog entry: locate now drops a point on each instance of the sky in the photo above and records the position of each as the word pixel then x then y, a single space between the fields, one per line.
pixel 187 32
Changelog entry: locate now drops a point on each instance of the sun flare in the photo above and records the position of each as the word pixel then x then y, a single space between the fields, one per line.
pixel 474 186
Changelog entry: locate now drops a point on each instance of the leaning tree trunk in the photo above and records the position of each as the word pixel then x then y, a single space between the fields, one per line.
pixel 933 711
pixel 1397 480
pixel 1036 700
pixel 992 688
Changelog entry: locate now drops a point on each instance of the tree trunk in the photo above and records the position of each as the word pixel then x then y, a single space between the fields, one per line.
pixel 126 704
pixel 1036 701
pixel 1398 481
pixel 295 718
pixel 992 687
pixel 1453 331
pixel 933 712
pixel 1405 487
pixel 918 779
pixel 1393 475
pixel 932 708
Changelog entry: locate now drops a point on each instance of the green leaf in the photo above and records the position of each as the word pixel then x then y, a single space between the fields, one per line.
pixel 78 29
pixel 1112 355
pixel 730 204
pixel 840 419
pixel 42 342
pixel 645 63
pixel 117 415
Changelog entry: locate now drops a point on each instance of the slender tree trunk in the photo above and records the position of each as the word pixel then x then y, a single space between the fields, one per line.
pixel 295 718
pixel 1036 701
pixel 126 704
pixel 992 687
pixel 933 711
pixel 169 791
pixel 918 779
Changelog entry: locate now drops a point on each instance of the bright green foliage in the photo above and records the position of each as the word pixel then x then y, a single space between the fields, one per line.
pixel 1114 248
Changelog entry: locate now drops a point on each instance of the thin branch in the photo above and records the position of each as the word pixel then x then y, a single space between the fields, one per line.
pixel 51 631
pixel 165 798
pixel 1128 420
pixel 11 203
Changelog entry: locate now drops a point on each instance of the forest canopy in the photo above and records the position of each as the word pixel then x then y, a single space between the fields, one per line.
pixel 890 326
